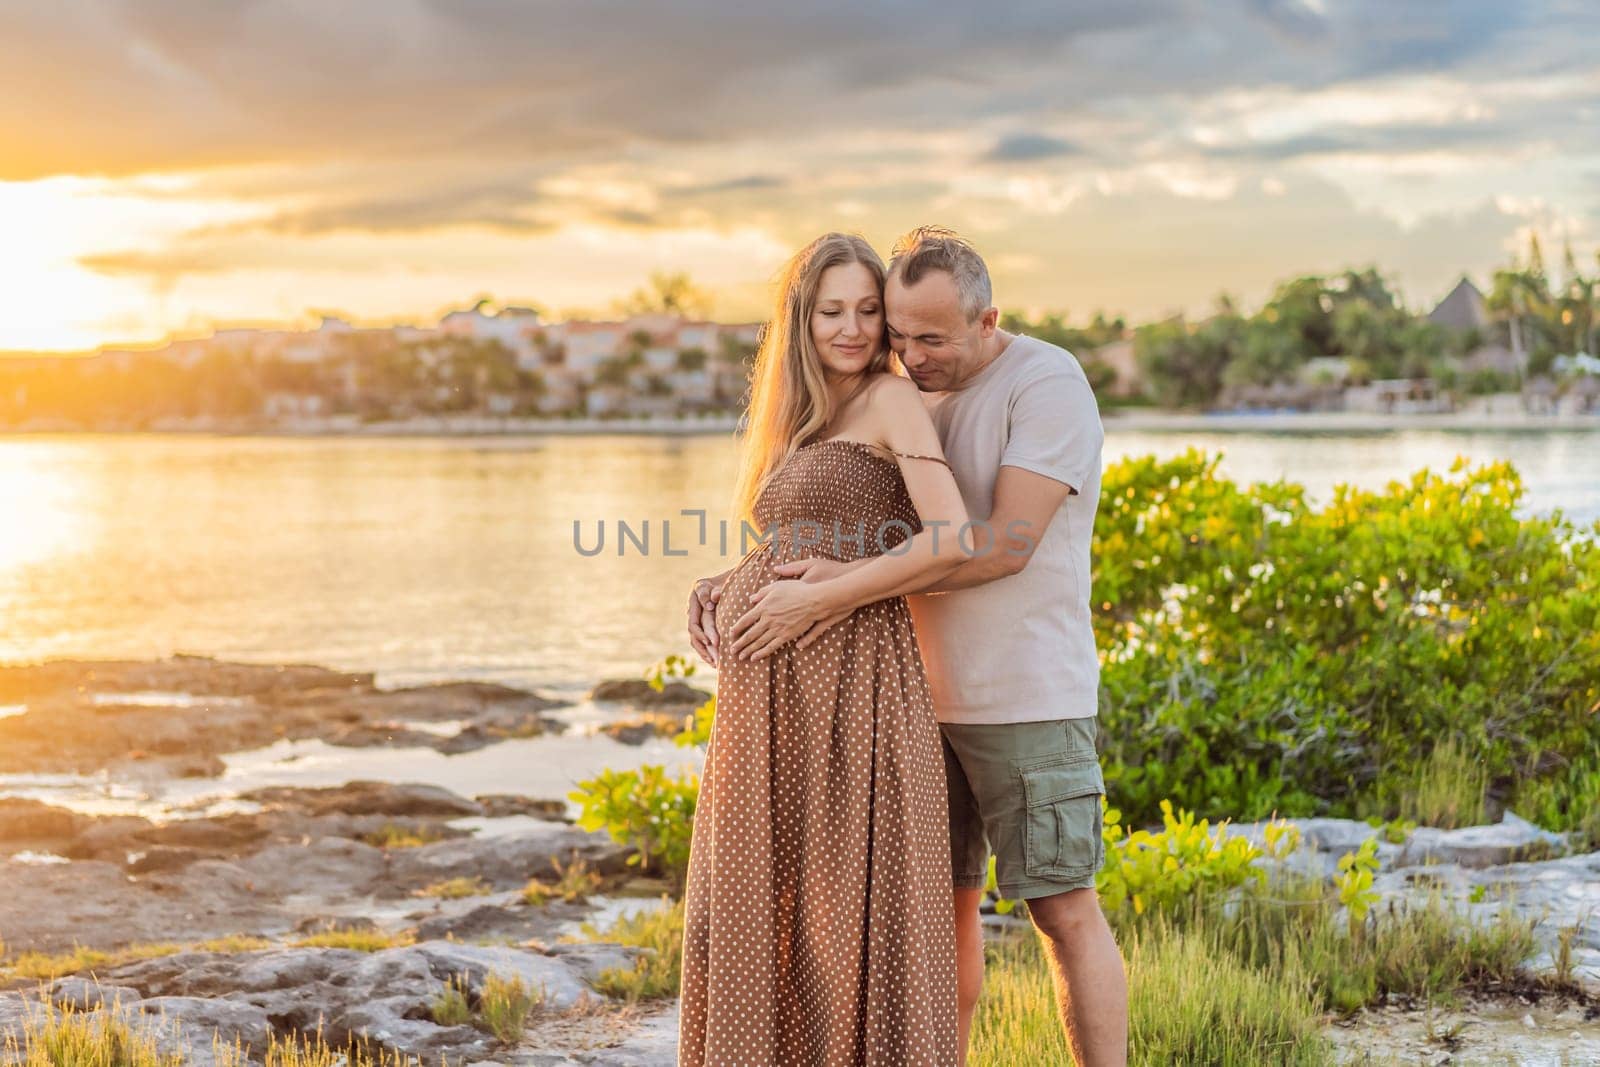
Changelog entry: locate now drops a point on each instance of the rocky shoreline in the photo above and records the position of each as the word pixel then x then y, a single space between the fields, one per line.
pixel 176 717
pixel 215 920
pixel 280 865
pixel 300 866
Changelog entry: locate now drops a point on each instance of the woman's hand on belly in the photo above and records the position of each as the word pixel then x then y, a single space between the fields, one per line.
pixel 703 615
pixel 779 612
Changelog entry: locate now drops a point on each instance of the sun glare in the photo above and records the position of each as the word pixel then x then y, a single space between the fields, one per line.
pixel 37 516
pixel 50 302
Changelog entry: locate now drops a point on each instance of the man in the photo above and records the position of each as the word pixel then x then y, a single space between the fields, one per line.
pixel 1007 638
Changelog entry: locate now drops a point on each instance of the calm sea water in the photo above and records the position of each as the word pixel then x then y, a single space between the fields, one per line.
pixel 426 558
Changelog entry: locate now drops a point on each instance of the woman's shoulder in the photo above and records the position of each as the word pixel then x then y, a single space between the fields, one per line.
pixel 889 387
pixel 893 403
pixel 891 398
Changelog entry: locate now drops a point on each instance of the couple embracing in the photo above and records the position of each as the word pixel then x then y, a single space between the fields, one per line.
pixel 907 678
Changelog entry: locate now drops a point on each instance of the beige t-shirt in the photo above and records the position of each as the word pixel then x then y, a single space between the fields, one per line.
pixel 1020 648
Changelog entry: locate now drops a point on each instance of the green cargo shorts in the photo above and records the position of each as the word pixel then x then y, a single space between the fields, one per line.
pixel 1032 792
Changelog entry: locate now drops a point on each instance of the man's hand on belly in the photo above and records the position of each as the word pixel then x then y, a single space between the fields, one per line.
pixel 779 612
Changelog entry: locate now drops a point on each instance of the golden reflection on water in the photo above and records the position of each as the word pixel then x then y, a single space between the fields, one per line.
pixel 39 511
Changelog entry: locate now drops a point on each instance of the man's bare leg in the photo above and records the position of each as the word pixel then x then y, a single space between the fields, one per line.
pixel 969 960
pixel 1091 984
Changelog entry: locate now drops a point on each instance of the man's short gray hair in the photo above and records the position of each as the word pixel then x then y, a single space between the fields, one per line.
pixel 936 248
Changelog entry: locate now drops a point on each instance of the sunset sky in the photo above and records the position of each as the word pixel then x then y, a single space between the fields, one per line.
pixel 167 166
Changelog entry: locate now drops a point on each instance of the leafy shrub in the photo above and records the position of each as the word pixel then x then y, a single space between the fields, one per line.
pixel 1261 654
pixel 1182 862
pixel 645 810
pixel 1567 799
pixel 1356 870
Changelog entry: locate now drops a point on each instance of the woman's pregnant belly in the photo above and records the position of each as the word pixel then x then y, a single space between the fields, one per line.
pixel 757 571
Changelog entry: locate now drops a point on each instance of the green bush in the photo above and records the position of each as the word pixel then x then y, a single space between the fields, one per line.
pixel 1182 862
pixel 646 810
pixel 1565 799
pixel 1263 655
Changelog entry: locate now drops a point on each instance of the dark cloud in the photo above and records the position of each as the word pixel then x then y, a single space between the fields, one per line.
pixel 1294 19
pixel 748 183
pixel 1023 147
pixel 502 206
pixel 1378 140
pixel 120 86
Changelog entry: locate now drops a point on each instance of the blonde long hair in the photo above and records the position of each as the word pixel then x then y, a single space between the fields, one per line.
pixel 789 399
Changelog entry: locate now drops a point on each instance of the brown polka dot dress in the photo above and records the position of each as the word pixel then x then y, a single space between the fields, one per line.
pixel 819 923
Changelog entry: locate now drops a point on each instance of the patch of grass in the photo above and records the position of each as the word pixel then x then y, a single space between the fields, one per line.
pixel 47 967
pixel 1245 978
pixel 1190 1001
pixel 1430 949
pixel 1016 1020
pixel 1561 956
pixel 398 835
pixel 234 943
pixel 1447 790
pixel 1426 949
pixel 574 881
pixel 1564 802
pixel 457 888
pixel 310 1050
pixel 451 1008
pixel 658 969
pixel 504 1007
pixel 358 940
pixel 70 1038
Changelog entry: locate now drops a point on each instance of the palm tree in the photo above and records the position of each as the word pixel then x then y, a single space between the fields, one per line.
pixel 1576 306
pixel 1520 297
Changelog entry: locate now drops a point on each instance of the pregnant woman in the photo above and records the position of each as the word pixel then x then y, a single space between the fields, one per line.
pixel 820 923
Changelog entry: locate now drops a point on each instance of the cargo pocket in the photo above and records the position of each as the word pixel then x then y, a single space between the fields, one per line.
pixel 1061 836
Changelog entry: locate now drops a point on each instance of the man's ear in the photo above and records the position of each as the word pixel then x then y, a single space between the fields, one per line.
pixel 991 321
